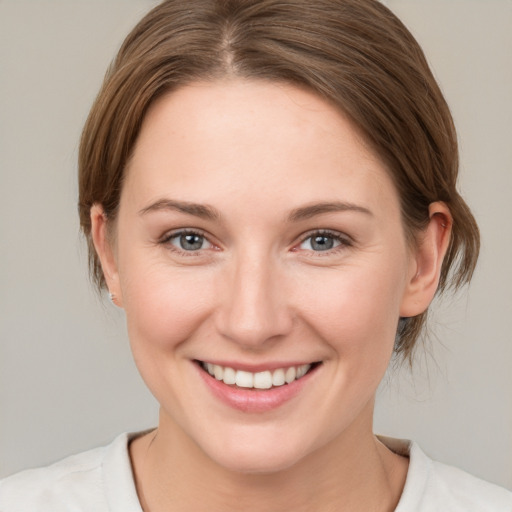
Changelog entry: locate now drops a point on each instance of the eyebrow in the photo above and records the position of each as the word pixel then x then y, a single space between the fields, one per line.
pixel 208 212
pixel 307 212
pixel 198 210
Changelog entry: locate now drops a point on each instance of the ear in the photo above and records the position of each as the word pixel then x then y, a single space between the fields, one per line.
pixel 105 251
pixel 426 261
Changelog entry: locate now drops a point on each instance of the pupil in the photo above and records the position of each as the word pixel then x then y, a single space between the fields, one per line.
pixel 191 242
pixel 322 243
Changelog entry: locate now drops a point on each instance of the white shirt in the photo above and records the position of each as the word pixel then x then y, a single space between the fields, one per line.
pixel 101 480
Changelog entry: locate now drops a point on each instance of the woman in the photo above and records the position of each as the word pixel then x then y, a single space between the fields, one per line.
pixel 268 191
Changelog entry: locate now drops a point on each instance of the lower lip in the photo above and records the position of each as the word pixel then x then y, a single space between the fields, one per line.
pixel 254 400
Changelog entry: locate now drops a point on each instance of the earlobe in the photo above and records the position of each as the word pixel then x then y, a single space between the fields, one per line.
pixel 427 260
pixel 105 252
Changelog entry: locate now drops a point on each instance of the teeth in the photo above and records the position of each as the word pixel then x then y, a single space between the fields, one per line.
pixel 301 371
pixel 278 377
pixel 244 379
pixel 218 372
pixel 263 380
pixel 229 376
pixel 259 380
pixel 290 375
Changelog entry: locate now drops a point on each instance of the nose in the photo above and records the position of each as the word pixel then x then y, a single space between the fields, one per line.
pixel 254 308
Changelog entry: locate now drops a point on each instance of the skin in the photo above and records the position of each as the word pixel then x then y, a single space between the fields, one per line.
pixel 258 292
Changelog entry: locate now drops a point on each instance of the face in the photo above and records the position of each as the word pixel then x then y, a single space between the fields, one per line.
pixel 260 257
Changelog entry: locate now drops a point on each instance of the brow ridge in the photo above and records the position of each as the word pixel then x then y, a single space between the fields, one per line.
pixel 198 210
pixel 309 211
pixel 210 213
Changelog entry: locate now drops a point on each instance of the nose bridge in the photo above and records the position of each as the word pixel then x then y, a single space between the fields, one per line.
pixel 254 309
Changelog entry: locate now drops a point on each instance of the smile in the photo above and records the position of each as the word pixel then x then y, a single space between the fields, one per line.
pixel 259 380
pixel 259 391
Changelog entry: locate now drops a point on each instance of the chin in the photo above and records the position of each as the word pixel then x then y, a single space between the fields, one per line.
pixel 242 454
pixel 256 463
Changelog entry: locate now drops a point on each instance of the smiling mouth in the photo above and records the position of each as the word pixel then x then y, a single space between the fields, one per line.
pixel 267 379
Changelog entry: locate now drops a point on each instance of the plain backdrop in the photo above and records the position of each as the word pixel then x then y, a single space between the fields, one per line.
pixel 67 381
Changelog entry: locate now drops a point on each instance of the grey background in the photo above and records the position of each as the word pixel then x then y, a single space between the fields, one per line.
pixel 67 381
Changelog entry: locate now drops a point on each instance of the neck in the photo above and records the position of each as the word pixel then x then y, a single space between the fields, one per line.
pixel 354 472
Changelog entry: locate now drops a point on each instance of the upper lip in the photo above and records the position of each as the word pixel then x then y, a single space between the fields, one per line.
pixel 258 367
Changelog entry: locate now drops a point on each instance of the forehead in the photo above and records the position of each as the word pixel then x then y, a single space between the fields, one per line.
pixel 245 137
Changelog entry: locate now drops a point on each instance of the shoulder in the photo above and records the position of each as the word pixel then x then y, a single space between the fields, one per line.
pixel 80 482
pixel 51 488
pixel 468 492
pixel 435 487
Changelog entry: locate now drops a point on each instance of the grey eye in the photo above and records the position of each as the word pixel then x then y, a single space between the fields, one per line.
pixel 320 243
pixel 190 242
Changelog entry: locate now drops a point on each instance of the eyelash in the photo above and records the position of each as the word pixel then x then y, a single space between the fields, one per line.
pixel 167 238
pixel 343 241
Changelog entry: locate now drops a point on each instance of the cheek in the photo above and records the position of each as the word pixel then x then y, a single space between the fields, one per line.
pixel 164 306
pixel 356 309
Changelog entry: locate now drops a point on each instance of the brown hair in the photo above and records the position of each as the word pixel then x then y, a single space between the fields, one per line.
pixel 354 53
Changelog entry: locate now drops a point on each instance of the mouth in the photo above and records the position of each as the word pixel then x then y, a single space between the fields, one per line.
pixel 261 380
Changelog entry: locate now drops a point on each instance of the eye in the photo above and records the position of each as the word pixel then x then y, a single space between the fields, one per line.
pixel 323 241
pixel 188 241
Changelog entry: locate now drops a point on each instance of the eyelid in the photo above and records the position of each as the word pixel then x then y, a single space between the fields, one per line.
pixel 181 231
pixel 344 239
pixel 169 235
